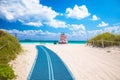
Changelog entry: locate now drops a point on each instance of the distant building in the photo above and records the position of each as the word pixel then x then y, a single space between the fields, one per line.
pixel 63 39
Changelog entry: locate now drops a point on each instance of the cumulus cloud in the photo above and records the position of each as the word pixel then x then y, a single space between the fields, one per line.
pixel 76 34
pixel 78 12
pixel 34 34
pixel 76 27
pixel 102 24
pixel 95 18
pixel 57 24
pixel 113 29
pixel 28 12
pixel 85 35
pixel 93 33
pixel 37 24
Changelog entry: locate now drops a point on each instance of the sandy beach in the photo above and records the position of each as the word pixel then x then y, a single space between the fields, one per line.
pixel 84 62
pixel 24 61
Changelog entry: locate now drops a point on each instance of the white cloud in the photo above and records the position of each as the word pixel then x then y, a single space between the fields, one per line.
pixel 77 27
pixel 94 18
pixel 78 12
pixel 78 32
pixel 102 24
pixel 77 35
pixel 34 34
pixel 37 24
pixel 74 35
pixel 28 12
pixel 57 24
pixel 25 32
pixel 84 35
pixel 93 33
pixel 113 29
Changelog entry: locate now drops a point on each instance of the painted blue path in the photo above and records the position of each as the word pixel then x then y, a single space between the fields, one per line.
pixel 49 66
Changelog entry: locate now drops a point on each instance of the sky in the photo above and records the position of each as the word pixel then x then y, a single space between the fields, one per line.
pixel 47 19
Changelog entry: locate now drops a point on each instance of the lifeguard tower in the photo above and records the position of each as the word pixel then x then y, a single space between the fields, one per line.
pixel 63 39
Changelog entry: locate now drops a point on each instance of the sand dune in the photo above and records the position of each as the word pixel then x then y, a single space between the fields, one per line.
pixel 85 62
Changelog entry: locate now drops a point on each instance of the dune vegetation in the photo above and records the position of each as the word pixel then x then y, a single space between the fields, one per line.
pixel 9 48
pixel 105 40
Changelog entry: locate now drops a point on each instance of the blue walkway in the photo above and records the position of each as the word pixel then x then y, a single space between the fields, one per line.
pixel 49 66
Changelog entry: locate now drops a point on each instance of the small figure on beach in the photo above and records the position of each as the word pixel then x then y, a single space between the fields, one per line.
pixel 55 43
pixel 63 39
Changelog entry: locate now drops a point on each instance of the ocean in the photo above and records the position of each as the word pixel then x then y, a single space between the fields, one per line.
pixel 51 42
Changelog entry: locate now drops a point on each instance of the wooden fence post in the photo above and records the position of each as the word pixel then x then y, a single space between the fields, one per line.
pixel 103 44
pixel 93 43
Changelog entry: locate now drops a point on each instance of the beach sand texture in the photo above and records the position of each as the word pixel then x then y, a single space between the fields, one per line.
pixel 85 62
pixel 24 61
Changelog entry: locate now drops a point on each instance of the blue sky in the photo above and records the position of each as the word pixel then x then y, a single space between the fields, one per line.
pixel 46 19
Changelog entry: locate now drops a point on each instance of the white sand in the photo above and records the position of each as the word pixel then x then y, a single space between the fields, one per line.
pixel 85 63
pixel 23 63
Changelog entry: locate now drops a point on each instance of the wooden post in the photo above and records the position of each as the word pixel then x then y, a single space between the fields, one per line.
pixel 113 43
pixel 93 44
pixel 103 44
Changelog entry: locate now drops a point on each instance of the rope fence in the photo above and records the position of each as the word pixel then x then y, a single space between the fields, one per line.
pixel 104 43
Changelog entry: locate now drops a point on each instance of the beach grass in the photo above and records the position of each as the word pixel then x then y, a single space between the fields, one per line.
pixel 6 72
pixel 9 48
pixel 105 40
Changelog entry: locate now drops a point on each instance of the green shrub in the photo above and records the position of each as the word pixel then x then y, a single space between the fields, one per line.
pixel 106 38
pixel 6 72
pixel 11 47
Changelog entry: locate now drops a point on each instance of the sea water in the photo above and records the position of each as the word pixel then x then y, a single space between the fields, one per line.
pixel 51 42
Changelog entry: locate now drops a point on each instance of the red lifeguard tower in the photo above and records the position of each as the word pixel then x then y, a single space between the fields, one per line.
pixel 63 39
